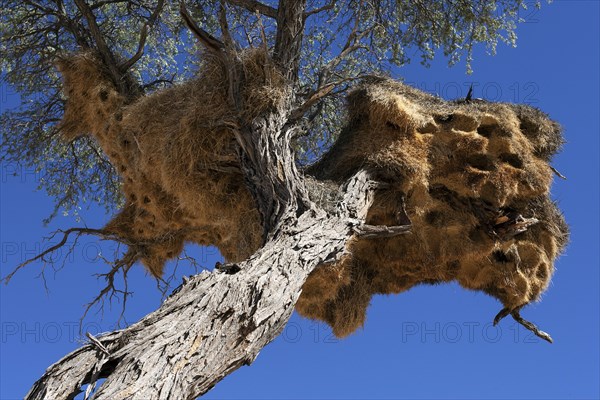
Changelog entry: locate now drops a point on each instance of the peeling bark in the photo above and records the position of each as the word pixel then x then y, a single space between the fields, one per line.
pixel 216 322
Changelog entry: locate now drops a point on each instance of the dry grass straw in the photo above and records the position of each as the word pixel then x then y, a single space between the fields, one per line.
pixel 460 168
pixel 176 153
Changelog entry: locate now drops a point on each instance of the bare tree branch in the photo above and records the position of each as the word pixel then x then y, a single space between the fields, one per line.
pixel 352 44
pixel 77 31
pixel 103 49
pixel 205 38
pixel 326 7
pixel 253 6
pixel 557 173
pixel 326 88
pixel 229 42
pixel 318 95
pixel 110 291
pixel 516 314
pixel 105 2
pixel 140 51
pixel 157 82
pixel 63 241
pixel 313 99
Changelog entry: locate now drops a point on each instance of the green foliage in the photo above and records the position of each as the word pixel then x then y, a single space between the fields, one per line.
pixel 392 33
pixel 343 41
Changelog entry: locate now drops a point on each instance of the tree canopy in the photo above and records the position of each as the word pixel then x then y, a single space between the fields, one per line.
pixel 343 41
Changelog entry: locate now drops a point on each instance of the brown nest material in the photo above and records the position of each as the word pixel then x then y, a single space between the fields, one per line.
pixel 176 153
pixel 472 178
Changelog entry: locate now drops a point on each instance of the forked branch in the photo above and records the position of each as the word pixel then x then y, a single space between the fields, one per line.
pixel 326 7
pixel 325 85
pixel 107 56
pixel 119 265
pixel 42 256
pixel 110 290
pixel 516 314
pixel 140 51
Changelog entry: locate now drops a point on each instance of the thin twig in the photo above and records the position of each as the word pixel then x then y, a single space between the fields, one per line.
pixel 79 231
pixel 529 325
pixel 123 265
pixel 253 6
pixel 326 7
pixel 558 173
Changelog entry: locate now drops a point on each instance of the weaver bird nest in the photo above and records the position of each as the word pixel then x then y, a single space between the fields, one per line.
pixel 471 179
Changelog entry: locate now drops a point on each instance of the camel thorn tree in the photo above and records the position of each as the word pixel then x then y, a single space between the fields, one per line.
pixel 412 190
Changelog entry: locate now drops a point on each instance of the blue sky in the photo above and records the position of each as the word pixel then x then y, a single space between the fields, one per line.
pixel 430 342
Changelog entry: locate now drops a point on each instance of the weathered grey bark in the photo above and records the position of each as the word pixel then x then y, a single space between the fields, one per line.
pixel 288 42
pixel 219 321
pixel 216 322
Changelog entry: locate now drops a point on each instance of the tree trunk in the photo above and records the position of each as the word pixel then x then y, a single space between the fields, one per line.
pixel 219 321
pixel 216 322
